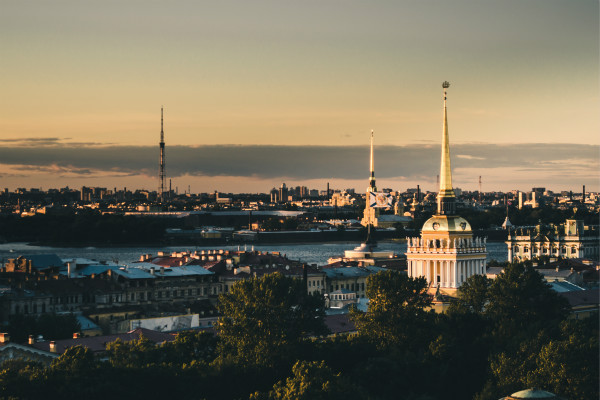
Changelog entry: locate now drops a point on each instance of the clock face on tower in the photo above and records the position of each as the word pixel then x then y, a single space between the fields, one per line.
pixel 436 226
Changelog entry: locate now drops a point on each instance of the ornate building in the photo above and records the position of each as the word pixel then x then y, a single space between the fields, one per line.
pixel 446 254
pixel 569 240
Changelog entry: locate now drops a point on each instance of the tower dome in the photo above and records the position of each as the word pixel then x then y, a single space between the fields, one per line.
pixel 446 223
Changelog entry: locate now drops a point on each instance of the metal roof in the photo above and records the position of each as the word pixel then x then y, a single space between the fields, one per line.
pixel 43 261
pixel 349 272
pixel 564 286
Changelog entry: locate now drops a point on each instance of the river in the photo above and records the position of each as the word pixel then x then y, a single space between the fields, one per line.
pixel 311 253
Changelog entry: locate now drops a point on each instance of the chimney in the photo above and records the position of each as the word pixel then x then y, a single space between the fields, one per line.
pixel 53 346
pixel 71 267
pixel 4 337
pixel 76 335
pixel 583 195
pixel 152 270
pixel 31 339
pixel 162 270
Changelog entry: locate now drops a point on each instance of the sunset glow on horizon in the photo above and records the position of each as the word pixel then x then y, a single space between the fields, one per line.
pixel 80 77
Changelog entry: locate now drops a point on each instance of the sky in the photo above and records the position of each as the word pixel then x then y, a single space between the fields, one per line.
pixel 257 93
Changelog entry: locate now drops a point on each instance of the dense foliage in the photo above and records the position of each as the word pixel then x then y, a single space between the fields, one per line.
pixel 499 337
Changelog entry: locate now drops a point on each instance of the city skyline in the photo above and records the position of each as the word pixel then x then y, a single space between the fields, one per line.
pixel 273 92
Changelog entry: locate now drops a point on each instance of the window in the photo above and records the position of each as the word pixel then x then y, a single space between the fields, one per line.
pixel 526 249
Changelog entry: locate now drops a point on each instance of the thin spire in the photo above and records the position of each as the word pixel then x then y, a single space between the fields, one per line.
pixel 161 166
pixel 446 196
pixel 162 132
pixel 372 186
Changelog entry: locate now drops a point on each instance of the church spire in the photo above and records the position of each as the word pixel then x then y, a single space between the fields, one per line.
pixel 372 187
pixel 446 196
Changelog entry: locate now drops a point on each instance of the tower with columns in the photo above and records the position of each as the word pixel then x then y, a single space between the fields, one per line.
pixel 446 253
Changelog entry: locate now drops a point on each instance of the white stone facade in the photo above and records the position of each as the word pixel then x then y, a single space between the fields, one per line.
pixel 446 261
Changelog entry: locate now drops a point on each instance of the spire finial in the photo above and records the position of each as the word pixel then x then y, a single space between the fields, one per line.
pixel 446 196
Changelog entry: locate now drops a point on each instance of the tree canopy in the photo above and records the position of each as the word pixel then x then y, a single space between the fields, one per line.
pixel 397 308
pixel 264 319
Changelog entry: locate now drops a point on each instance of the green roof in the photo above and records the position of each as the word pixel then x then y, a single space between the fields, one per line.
pixel 533 394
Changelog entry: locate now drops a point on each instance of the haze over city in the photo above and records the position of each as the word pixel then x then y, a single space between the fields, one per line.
pixel 260 93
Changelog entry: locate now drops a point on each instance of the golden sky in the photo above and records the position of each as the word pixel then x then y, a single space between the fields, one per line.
pixel 299 72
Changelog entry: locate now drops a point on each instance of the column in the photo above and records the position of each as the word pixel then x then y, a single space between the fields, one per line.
pixel 453 264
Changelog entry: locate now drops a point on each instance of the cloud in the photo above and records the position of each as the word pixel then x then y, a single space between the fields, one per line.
pixel 468 157
pixel 48 142
pixel 413 162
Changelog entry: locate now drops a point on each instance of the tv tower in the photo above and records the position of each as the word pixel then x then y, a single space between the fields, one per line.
pixel 161 172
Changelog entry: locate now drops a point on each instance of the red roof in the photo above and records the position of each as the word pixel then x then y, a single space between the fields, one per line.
pixel 98 343
pixel 579 298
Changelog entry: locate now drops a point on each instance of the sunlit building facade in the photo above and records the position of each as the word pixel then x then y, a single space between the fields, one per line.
pixel 446 253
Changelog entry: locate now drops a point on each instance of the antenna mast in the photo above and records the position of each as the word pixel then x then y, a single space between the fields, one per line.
pixel 161 172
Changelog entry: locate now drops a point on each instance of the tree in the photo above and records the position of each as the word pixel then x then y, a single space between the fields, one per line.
pixel 264 319
pixel 397 305
pixel 521 303
pixel 137 353
pixel 566 364
pixel 311 380
pixel 75 360
pixel 472 295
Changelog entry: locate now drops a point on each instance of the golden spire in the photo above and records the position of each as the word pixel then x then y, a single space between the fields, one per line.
pixel 372 186
pixel 445 205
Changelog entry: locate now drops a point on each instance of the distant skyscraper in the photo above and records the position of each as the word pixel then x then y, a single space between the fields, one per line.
pixel 161 171
pixel 446 254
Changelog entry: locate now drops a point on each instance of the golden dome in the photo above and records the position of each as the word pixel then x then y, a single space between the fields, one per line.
pixel 446 223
